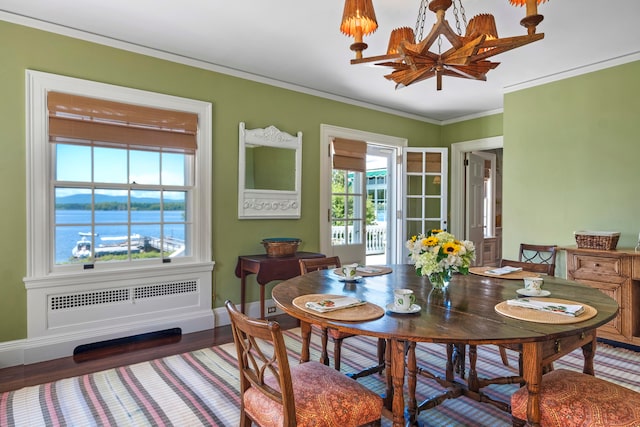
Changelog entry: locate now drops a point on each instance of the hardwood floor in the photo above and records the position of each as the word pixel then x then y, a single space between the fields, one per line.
pixel 16 377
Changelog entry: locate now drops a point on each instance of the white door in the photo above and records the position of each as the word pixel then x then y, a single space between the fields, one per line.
pixel 382 196
pixel 474 220
pixel 424 206
pixel 348 215
pixel 343 197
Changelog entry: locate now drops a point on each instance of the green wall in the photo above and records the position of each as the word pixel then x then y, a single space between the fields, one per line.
pixel 571 153
pixel 234 100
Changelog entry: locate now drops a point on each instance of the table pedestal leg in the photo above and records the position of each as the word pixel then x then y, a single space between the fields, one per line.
pixel 412 371
pixel 532 374
pixel 589 351
pixel 397 374
pixel 305 333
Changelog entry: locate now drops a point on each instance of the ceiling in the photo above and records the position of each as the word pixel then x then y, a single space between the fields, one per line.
pixel 297 44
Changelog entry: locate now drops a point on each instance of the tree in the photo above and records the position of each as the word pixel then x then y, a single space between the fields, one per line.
pixel 338 186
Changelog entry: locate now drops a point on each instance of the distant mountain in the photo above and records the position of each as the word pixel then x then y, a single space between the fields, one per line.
pixel 101 198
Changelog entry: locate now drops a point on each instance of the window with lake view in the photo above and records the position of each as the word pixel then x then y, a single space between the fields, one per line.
pixel 120 204
pixel 117 179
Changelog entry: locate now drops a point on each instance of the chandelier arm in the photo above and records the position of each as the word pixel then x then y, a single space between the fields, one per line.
pixel 463 55
pixel 441 27
pixel 460 73
pixel 392 57
pixel 407 77
pixel 498 46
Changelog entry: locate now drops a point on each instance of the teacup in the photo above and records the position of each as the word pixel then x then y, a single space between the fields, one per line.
pixel 533 285
pixel 349 270
pixel 403 299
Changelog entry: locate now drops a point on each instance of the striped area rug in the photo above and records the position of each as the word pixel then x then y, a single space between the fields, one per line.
pixel 200 388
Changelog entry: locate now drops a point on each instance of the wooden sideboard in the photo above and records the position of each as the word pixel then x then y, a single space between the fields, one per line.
pixel 617 274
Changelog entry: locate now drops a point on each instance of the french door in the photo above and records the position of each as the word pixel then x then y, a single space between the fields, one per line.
pixel 425 186
pixel 352 202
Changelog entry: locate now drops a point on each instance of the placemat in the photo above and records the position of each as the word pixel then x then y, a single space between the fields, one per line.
pixel 367 311
pixel 516 275
pixel 539 316
pixel 380 271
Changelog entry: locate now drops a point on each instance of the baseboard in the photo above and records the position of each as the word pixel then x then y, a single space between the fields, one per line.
pixel 251 309
pixel 619 344
pixel 26 351
pixel 33 350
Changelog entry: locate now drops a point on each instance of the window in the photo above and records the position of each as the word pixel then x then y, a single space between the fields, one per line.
pixel 105 193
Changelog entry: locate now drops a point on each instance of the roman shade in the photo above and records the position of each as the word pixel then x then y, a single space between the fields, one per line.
pixel 78 119
pixel 349 154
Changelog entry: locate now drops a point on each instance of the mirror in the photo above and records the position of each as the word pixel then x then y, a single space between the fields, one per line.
pixel 269 173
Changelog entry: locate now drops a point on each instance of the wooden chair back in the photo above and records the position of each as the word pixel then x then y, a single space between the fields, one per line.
pixel 528 266
pixel 308 265
pixel 539 254
pixel 255 364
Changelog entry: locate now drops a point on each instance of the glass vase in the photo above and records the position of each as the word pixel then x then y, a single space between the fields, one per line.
pixel 440 280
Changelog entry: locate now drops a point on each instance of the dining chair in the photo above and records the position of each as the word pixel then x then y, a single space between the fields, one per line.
pixel 308 265
pixel 539 254
pixel 274 393
pixel 536 259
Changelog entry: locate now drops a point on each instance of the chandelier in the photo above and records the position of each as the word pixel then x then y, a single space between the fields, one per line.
pixel 413 58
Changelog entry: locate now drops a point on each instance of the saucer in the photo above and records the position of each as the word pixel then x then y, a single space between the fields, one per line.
pixel 528 293
pixel 352 279
pixel 413 309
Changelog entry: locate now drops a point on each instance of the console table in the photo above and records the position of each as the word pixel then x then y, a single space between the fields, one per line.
pixel 268 269
pixel 617 274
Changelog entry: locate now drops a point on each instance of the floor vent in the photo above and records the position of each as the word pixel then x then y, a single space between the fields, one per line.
pixel 81 352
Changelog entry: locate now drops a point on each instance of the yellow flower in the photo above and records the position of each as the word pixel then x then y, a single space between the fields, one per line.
pixel 430 241
pixel 450 248
pixel 436 231
pixel 414 238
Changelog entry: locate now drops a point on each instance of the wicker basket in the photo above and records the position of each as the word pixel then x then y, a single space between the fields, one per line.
pixel 281 246
pixel 603 240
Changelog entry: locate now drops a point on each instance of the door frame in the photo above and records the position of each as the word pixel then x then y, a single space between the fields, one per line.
pixel 458 151
pixel 327 133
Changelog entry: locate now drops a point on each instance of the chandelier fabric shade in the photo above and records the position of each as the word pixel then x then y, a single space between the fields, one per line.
pixel 483 24
pixel 399 35
pixel 523 2
pixel 358 20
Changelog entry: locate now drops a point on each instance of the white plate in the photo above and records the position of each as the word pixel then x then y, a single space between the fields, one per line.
pixel 529 293
pixel 352 279
pixel 413 309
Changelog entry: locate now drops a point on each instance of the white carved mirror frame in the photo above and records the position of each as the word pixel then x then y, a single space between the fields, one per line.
pixel 258 203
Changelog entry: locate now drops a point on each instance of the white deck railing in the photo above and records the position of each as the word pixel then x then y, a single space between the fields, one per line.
pixel 375 240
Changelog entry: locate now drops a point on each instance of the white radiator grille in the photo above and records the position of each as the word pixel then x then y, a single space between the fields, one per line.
pixel 162 289
pixel 109 296
pixel 83 299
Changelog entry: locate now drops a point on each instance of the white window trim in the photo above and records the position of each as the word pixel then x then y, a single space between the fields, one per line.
pixel 151 296
pixel 39 171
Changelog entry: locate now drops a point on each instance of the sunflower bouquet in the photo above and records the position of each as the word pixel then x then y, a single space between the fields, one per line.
pixel 437 254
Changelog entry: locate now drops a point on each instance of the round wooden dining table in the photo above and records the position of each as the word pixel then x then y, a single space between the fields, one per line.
pixel 465 316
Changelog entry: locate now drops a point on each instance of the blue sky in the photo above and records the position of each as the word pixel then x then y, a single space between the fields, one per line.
pixel 74 163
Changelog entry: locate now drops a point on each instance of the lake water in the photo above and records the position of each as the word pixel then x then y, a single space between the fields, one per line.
pixel 70 223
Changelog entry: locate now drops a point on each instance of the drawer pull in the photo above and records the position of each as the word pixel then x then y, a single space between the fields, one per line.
pixel 556 346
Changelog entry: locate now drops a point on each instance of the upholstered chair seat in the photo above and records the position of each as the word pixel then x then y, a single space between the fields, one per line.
pixel 323 398
pixel 572 399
